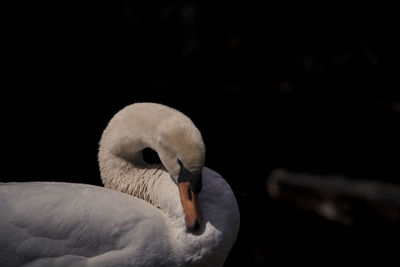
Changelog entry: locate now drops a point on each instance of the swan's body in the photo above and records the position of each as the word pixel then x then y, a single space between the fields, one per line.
pixel 61 224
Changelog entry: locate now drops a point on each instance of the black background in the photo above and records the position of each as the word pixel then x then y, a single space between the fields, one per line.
pixel 307 88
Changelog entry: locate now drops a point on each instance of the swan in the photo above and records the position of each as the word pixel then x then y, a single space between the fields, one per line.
pixel 178 213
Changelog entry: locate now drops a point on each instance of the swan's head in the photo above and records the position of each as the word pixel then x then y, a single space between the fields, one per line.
pixel 182 152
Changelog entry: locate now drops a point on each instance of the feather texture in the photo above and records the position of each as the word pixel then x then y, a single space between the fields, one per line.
pixel 137 220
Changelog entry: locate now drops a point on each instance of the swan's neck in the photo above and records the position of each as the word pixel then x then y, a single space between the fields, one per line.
pixel 131 175
pixel 153 184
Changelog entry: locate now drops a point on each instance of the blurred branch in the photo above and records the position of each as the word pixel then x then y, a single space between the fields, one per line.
pixel 337 198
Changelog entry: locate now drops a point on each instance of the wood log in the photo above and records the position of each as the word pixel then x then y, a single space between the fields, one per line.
pixel 336 197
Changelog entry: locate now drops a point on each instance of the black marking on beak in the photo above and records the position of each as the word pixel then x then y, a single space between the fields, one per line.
pixel 194 178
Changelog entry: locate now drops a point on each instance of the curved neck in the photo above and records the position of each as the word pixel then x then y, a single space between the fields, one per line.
pixel 128 173
pixel 153 184
pixel 122 168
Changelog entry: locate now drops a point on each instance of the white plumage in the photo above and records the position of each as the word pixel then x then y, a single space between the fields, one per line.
pixel 64 224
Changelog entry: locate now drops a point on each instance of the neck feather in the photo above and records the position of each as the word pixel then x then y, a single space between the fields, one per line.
pixel 153 184
pixel 150 182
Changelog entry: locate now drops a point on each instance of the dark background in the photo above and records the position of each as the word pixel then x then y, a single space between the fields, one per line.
pixel 307 88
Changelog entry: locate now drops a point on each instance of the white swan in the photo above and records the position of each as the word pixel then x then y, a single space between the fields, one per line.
pixel 65 224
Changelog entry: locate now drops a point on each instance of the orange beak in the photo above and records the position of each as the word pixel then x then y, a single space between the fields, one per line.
pixel 191 207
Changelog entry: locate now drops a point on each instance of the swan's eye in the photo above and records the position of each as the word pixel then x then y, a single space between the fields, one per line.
pixel 190 194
